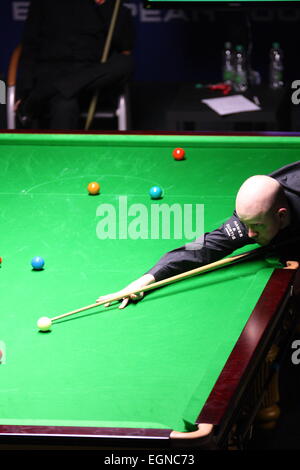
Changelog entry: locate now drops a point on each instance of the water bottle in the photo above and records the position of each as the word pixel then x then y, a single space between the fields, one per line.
pixel 276 66
pixel 227 65
pixel 240 70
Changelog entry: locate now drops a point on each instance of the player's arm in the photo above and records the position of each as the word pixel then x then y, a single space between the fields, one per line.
pixel 30 48
pixel 123 38
pixel 206 249
pixel 210 247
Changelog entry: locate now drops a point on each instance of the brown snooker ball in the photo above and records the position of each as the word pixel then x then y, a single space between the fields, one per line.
pixel 93 188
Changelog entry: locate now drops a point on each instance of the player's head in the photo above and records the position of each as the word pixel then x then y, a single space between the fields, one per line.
pixel 262 206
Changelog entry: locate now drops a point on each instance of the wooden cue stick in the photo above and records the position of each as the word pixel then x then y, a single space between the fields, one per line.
pixel 169 280
pixel 93 104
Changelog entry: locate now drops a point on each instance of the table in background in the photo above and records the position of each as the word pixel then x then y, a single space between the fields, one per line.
pixel 128 378
pixel 188 113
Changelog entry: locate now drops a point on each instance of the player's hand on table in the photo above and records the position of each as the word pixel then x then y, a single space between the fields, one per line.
pixel 127 294
pixel 124 301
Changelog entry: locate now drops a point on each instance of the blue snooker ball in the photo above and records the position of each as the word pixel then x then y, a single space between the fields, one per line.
pixel 37 263
pixel 155 192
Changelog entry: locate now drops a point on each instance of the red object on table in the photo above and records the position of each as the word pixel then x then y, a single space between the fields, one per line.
pixel 178 153
pixel 221 86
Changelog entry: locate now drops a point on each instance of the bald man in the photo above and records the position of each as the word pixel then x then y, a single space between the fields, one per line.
pixel 267 212
pixel 263 208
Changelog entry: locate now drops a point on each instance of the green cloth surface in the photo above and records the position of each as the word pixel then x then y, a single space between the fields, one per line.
pixel 154 363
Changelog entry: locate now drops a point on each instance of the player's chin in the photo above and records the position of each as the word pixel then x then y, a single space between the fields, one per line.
pixel 262 242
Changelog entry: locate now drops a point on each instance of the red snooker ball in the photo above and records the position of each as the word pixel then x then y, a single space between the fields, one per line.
pixel 178 153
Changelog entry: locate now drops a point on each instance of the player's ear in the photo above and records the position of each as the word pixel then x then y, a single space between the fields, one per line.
pixel 282 211
pixel 283 214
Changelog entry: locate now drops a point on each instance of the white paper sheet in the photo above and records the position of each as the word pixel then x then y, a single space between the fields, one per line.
pixel 231 105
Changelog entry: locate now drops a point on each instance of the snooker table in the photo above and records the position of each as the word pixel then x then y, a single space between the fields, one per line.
pixel 193 362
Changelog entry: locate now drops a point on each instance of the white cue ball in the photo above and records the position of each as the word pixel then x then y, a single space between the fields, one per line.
pixel 44 324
